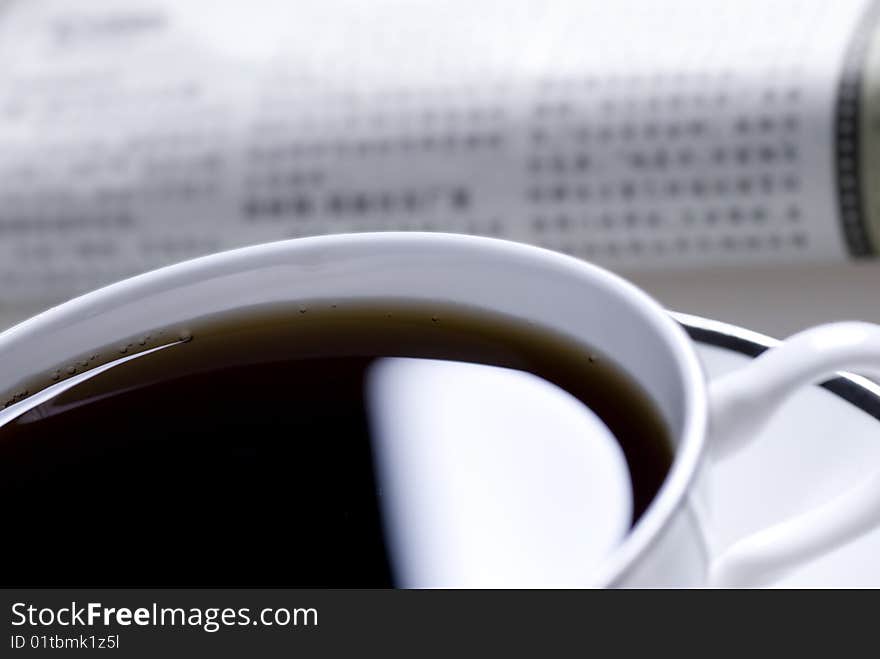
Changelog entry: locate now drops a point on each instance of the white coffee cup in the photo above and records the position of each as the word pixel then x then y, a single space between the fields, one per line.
pixel 706 421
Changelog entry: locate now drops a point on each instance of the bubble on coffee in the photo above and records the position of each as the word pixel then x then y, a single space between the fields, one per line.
pixel 377 443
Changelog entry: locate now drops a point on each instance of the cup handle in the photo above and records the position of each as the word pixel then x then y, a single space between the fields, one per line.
pixel 743 401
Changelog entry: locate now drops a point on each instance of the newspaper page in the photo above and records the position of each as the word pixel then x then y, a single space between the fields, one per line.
pixel 637 134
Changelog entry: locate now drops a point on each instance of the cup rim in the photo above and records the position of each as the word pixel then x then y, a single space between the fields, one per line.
pixel 672 494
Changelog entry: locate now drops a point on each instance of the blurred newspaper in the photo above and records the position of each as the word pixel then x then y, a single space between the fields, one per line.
pixel 651 134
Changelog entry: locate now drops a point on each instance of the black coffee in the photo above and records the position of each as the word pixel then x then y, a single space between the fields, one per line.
pixel 329 446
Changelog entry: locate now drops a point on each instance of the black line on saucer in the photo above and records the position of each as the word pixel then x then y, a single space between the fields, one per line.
pixel 852 392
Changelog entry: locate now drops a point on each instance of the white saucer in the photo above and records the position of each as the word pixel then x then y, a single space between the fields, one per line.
pixel 822 440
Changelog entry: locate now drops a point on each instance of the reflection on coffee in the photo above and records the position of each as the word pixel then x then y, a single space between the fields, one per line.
pixel 334 445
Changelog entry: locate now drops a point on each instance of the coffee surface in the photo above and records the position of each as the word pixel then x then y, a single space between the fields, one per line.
pixel 336 445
